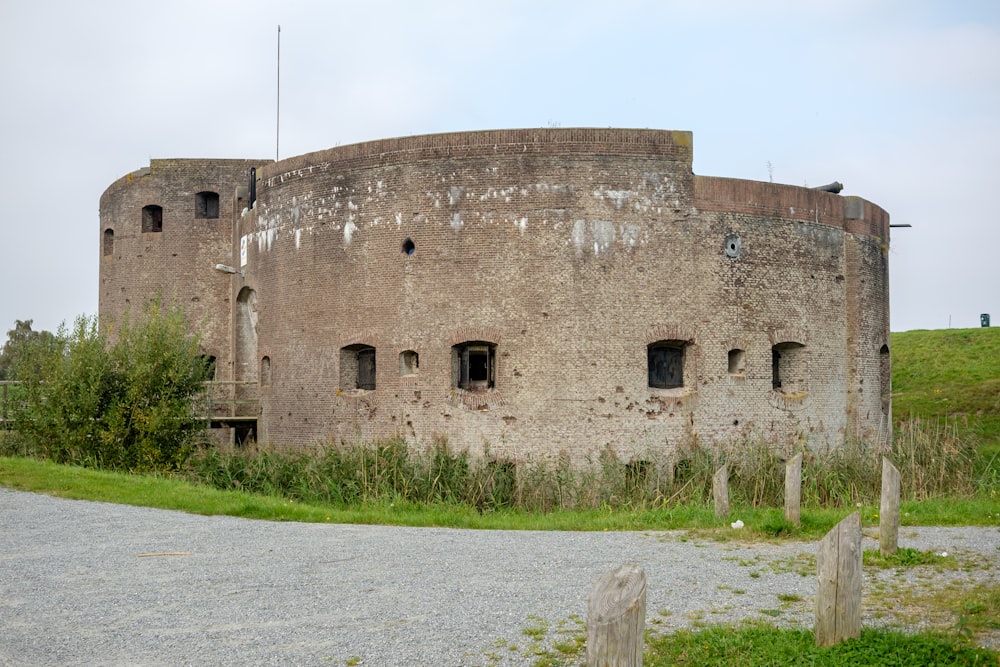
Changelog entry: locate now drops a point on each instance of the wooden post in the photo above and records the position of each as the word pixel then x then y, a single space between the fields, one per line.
pixel 616 618
pixel 720 491
pixel 793 489
pixel 888 518
pixel 838 595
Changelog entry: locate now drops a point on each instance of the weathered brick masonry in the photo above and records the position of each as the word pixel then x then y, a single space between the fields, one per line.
pixel 510 290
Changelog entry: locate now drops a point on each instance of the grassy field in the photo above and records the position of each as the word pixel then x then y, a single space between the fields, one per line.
pixel 949 374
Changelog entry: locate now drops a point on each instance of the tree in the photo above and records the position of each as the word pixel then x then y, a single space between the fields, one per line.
pixel 17 338
pixel 124 401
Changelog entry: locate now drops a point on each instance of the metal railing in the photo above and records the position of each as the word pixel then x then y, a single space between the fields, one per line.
pixel 229 401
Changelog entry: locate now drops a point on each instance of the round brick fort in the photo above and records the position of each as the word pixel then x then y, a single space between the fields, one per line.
pixel 522 293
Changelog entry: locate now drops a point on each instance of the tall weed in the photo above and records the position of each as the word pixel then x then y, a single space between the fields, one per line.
pixel 934 460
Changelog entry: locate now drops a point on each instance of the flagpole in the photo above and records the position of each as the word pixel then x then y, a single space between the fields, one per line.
pixel 277 114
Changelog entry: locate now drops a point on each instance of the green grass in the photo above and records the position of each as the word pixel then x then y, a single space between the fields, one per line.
pixel 762 644
pixel 177 494
pixel 949 374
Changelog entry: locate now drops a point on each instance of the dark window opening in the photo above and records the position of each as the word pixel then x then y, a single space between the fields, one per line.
pixel 206 205
pixel 357 367
pixel 474 365
pixel 408 247
pixel 409 362
pixel 244 435
pixel 775 368
pixel 152 218
pixel 208 362
pixel 666 364
pixel 788 368
pixel 737 362
pixel 109 242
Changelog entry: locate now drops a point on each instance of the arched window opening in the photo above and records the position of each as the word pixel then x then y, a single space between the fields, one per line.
pixel 265 371
pixel 409 363
pixel 789 368
pixel 109 242
pixel 206 205
pixel 665 363
pixel 473 365
pixel 152 218
pixel 885 378
pixel 737 362
pixel 246 335
pixel 357 367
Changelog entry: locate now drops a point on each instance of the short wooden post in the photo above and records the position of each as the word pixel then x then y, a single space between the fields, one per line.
pixel 616 618
pixel 720 491
pixel 838 595
pixel 793 489
pixel 888 517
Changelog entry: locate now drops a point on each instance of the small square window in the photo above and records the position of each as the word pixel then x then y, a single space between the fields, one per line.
pixel 409 363
pixel 357 367
pixel 206 205
pixel 737 362
pixel 665 362
pixel 473 365
pixel 152 218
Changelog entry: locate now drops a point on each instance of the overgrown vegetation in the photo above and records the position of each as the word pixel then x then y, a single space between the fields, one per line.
pixel 120 401
pixel 934 460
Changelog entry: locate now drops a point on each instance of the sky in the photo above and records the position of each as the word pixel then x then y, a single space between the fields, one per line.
pixel 897 99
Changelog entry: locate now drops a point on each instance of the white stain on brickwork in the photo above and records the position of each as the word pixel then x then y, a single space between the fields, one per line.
pixel 579 236
pixel 456 221
pixel 603 232
pixel 617 197
pixel 349 230
pixel 599 236
pixel 630 234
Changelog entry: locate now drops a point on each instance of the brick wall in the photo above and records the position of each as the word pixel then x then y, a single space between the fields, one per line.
pixel 568 251
pixel 177 262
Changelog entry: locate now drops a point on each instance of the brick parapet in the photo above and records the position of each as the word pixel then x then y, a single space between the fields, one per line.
pixel 789 202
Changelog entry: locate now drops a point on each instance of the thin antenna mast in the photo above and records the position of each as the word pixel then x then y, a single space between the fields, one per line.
pixel 277 113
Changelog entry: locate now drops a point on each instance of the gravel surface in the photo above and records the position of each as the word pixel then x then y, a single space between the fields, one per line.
pixel 76 586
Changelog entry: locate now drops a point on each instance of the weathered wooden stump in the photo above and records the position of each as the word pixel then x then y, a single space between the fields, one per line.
pixel 793 489
pixel 720 491
pixel 616 618
pixel 838 595
pixel 888 518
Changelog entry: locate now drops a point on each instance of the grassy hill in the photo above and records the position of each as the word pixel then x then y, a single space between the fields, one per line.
pixel 949 373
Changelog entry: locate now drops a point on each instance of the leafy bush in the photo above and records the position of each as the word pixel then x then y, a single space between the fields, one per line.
pixel 122 404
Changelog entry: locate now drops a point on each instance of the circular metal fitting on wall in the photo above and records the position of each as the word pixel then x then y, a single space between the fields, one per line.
pixel 733 245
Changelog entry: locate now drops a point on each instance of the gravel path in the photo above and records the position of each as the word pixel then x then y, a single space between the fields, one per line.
pixel 76 589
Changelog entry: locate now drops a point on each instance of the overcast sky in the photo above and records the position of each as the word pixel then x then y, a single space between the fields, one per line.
pixel 897 99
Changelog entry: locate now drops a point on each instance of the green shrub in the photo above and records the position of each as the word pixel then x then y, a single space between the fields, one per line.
pixel 126 404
